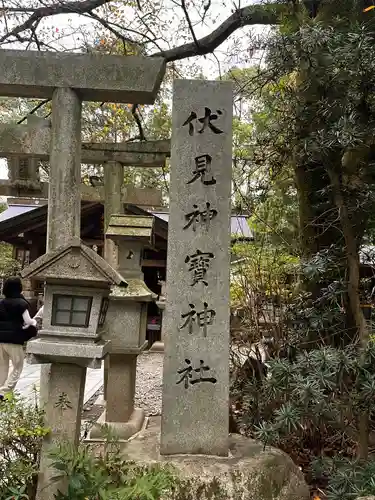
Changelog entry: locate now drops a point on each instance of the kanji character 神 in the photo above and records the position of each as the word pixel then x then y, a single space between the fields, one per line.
pixel 203 318
pixel 197 216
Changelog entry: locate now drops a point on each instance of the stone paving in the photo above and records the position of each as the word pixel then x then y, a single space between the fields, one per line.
pixel 31 378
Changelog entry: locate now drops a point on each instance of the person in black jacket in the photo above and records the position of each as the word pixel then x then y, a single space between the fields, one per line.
pixel 16 328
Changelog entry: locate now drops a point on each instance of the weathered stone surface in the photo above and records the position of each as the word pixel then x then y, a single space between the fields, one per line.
pixel 34 139
pixel 75 262
pixel 91 332
pixel 136 291
pixel 250 472
pixel 131 227
pixel 196 317
pixel 126 329
pixel 127 315
pixel 147 154
pixel 130 258
pixel 23 170
pixel 64 207
pixel 121 382
pixel 63 388
pixel 113 181
pixel 96 77
pixel 86 355
pixel 122 430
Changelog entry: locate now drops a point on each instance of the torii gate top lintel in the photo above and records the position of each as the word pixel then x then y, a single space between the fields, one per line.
pixel 95 77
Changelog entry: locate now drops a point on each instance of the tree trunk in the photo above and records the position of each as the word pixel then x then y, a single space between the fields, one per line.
pixel 353 294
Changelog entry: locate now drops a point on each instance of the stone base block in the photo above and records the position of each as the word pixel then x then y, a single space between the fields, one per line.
pixel 40 351
pixel 122 430
pixel 250 472
pixel 157 347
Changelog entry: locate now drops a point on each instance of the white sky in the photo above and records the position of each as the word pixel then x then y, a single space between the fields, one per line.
pixel 67 32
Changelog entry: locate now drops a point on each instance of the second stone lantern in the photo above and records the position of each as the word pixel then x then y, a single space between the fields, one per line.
pixel 126 322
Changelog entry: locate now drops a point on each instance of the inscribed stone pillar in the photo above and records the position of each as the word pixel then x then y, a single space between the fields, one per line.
pixel 196 321
pixel 113 181
pixel 64 221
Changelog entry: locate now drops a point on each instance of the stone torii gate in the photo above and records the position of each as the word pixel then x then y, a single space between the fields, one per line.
pixel 69 79
pixel 31 141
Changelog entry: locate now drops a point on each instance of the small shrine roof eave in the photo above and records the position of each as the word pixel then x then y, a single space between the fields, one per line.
pixel 137 291
pixel 131 227
pixel 37 267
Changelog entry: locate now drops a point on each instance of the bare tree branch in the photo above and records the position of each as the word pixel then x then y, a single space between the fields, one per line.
pixel 184 8
pixel 247 16
pixel 23 10
pixel 39 105
pixel 108 26
pixel 52 10
pixel 138 122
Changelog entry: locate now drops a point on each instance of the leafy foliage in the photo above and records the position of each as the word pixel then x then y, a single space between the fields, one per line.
pixel 21 435
pixel 92 474
pixel 105 475
pixel 310 407
pixel 261 288
pixel 8 265
pixel 347 479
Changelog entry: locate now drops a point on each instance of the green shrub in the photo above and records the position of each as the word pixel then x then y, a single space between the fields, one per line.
pixel 94 474
pixel 347 479
pixel 310 407
pixel 90 473
pixel 21 435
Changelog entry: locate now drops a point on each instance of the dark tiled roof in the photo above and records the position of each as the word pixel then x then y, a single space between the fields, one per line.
pixel 239 226
pixel 15 210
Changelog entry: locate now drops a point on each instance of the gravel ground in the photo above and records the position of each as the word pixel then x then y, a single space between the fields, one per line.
pixel 149 383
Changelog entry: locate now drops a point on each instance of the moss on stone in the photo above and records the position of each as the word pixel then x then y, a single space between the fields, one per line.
pixel 136 289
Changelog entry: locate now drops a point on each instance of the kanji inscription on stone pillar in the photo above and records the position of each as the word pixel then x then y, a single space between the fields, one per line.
pixel 196 321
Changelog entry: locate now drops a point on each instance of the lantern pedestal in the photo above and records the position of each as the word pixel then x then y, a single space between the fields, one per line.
pixel 126 322
pixel 87 355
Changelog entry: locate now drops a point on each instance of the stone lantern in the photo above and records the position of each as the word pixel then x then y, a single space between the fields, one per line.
pixel 127 321
pixel 77 287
